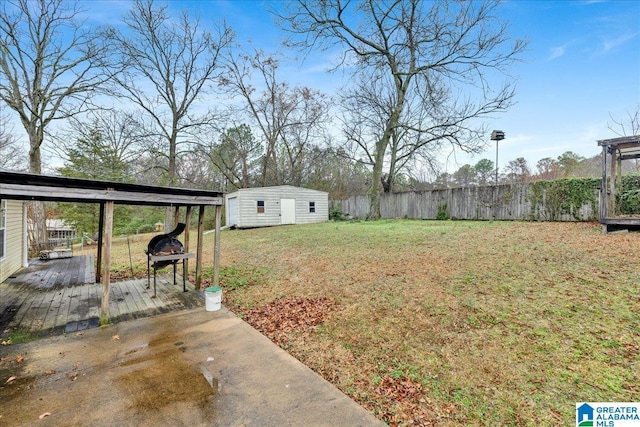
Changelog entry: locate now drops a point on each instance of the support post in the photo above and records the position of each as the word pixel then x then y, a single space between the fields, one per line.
pixel 100 232
pixel 216 248
pixel 199 250
pixel 106 279
pixel 187 230
pixel 613 176
pixel 603 185
pixel 619 172
pixel 176 216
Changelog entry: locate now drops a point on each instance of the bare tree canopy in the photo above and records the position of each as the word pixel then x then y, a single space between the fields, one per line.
pixel 48 71
pixel 236 156
pixel 48 65
pixel 424 72
pixel 12 155
pixel 288 120
pixel 628 127
pixel 164 65
pixel 106 144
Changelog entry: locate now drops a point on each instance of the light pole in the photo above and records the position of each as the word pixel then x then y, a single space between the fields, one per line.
pixel 497 136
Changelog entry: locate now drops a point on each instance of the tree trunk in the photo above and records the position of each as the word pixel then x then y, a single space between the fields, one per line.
pixel 169 212
pixel 374 192
pixel 38 218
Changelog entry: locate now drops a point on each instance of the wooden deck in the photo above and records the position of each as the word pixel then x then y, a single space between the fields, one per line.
pixel 60 296
pixel 55 273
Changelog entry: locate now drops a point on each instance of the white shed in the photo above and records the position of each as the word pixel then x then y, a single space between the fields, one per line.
pixel 283 204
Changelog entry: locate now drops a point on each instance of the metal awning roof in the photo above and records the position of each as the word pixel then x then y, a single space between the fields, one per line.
pixel 25 186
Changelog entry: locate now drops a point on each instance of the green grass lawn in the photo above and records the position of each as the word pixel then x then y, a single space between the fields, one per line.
pixel 448 322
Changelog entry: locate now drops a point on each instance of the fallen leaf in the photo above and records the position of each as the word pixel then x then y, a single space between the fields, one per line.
pixel 6 342
pixel 19 359
pixel 115 337
pixel 10 379
pixel 78 334
pixel 46 414
pixel 50 372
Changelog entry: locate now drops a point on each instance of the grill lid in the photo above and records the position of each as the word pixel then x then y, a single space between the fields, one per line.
pixel 166 244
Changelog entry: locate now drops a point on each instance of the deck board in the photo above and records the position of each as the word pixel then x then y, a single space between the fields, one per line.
pixel 51 296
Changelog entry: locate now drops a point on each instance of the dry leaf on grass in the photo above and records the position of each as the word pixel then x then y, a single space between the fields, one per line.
pixel 20 358
pixel 11 378
pixel 285 315
pixel 115 337
pixel 46 414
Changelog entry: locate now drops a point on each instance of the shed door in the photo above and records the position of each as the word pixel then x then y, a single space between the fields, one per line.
pixel 287 211
pixel 232 217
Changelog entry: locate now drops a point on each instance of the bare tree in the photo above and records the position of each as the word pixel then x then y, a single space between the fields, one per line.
pixel 48 65
pixel 12 155
pixel 517 171
pixel 288 119
pixel 428 67
pixel 195 169
pixel 48 71
pixel 106 144
pixel 465 175
pixel 547 169
pixel 165 66
pixel 629 127
pixel 236 157
pixel 332 171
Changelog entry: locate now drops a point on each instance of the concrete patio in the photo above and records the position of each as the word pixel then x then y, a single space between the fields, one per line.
pixel 162 361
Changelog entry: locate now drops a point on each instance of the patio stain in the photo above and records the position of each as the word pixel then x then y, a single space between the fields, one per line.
pixel 157 377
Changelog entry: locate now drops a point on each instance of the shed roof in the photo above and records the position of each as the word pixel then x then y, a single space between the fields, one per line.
pixel 276 187
pixel 25 186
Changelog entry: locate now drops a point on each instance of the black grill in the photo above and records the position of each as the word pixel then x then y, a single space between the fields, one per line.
pixel 166 244
pixel 164 250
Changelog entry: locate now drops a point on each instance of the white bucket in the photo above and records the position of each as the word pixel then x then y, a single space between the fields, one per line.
pixel 213 298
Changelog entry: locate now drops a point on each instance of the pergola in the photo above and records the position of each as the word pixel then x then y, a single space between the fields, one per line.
pixel 614 151
pixel 31 187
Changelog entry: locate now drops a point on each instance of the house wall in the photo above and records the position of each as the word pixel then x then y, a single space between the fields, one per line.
pixel 14 249
pixel 248 215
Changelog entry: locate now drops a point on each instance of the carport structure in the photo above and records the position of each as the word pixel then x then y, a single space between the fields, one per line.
pixel 614 151
pixel 31 187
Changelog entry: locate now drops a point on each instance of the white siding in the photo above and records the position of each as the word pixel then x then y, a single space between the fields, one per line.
pixel 14 248
pixel 248 215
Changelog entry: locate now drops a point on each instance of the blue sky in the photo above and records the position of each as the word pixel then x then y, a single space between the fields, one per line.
pixel 582 69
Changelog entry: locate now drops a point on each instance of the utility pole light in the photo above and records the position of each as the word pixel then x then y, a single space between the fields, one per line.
pixel 497 136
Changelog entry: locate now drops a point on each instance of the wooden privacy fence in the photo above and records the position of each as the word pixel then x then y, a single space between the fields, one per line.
pixel 502 202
